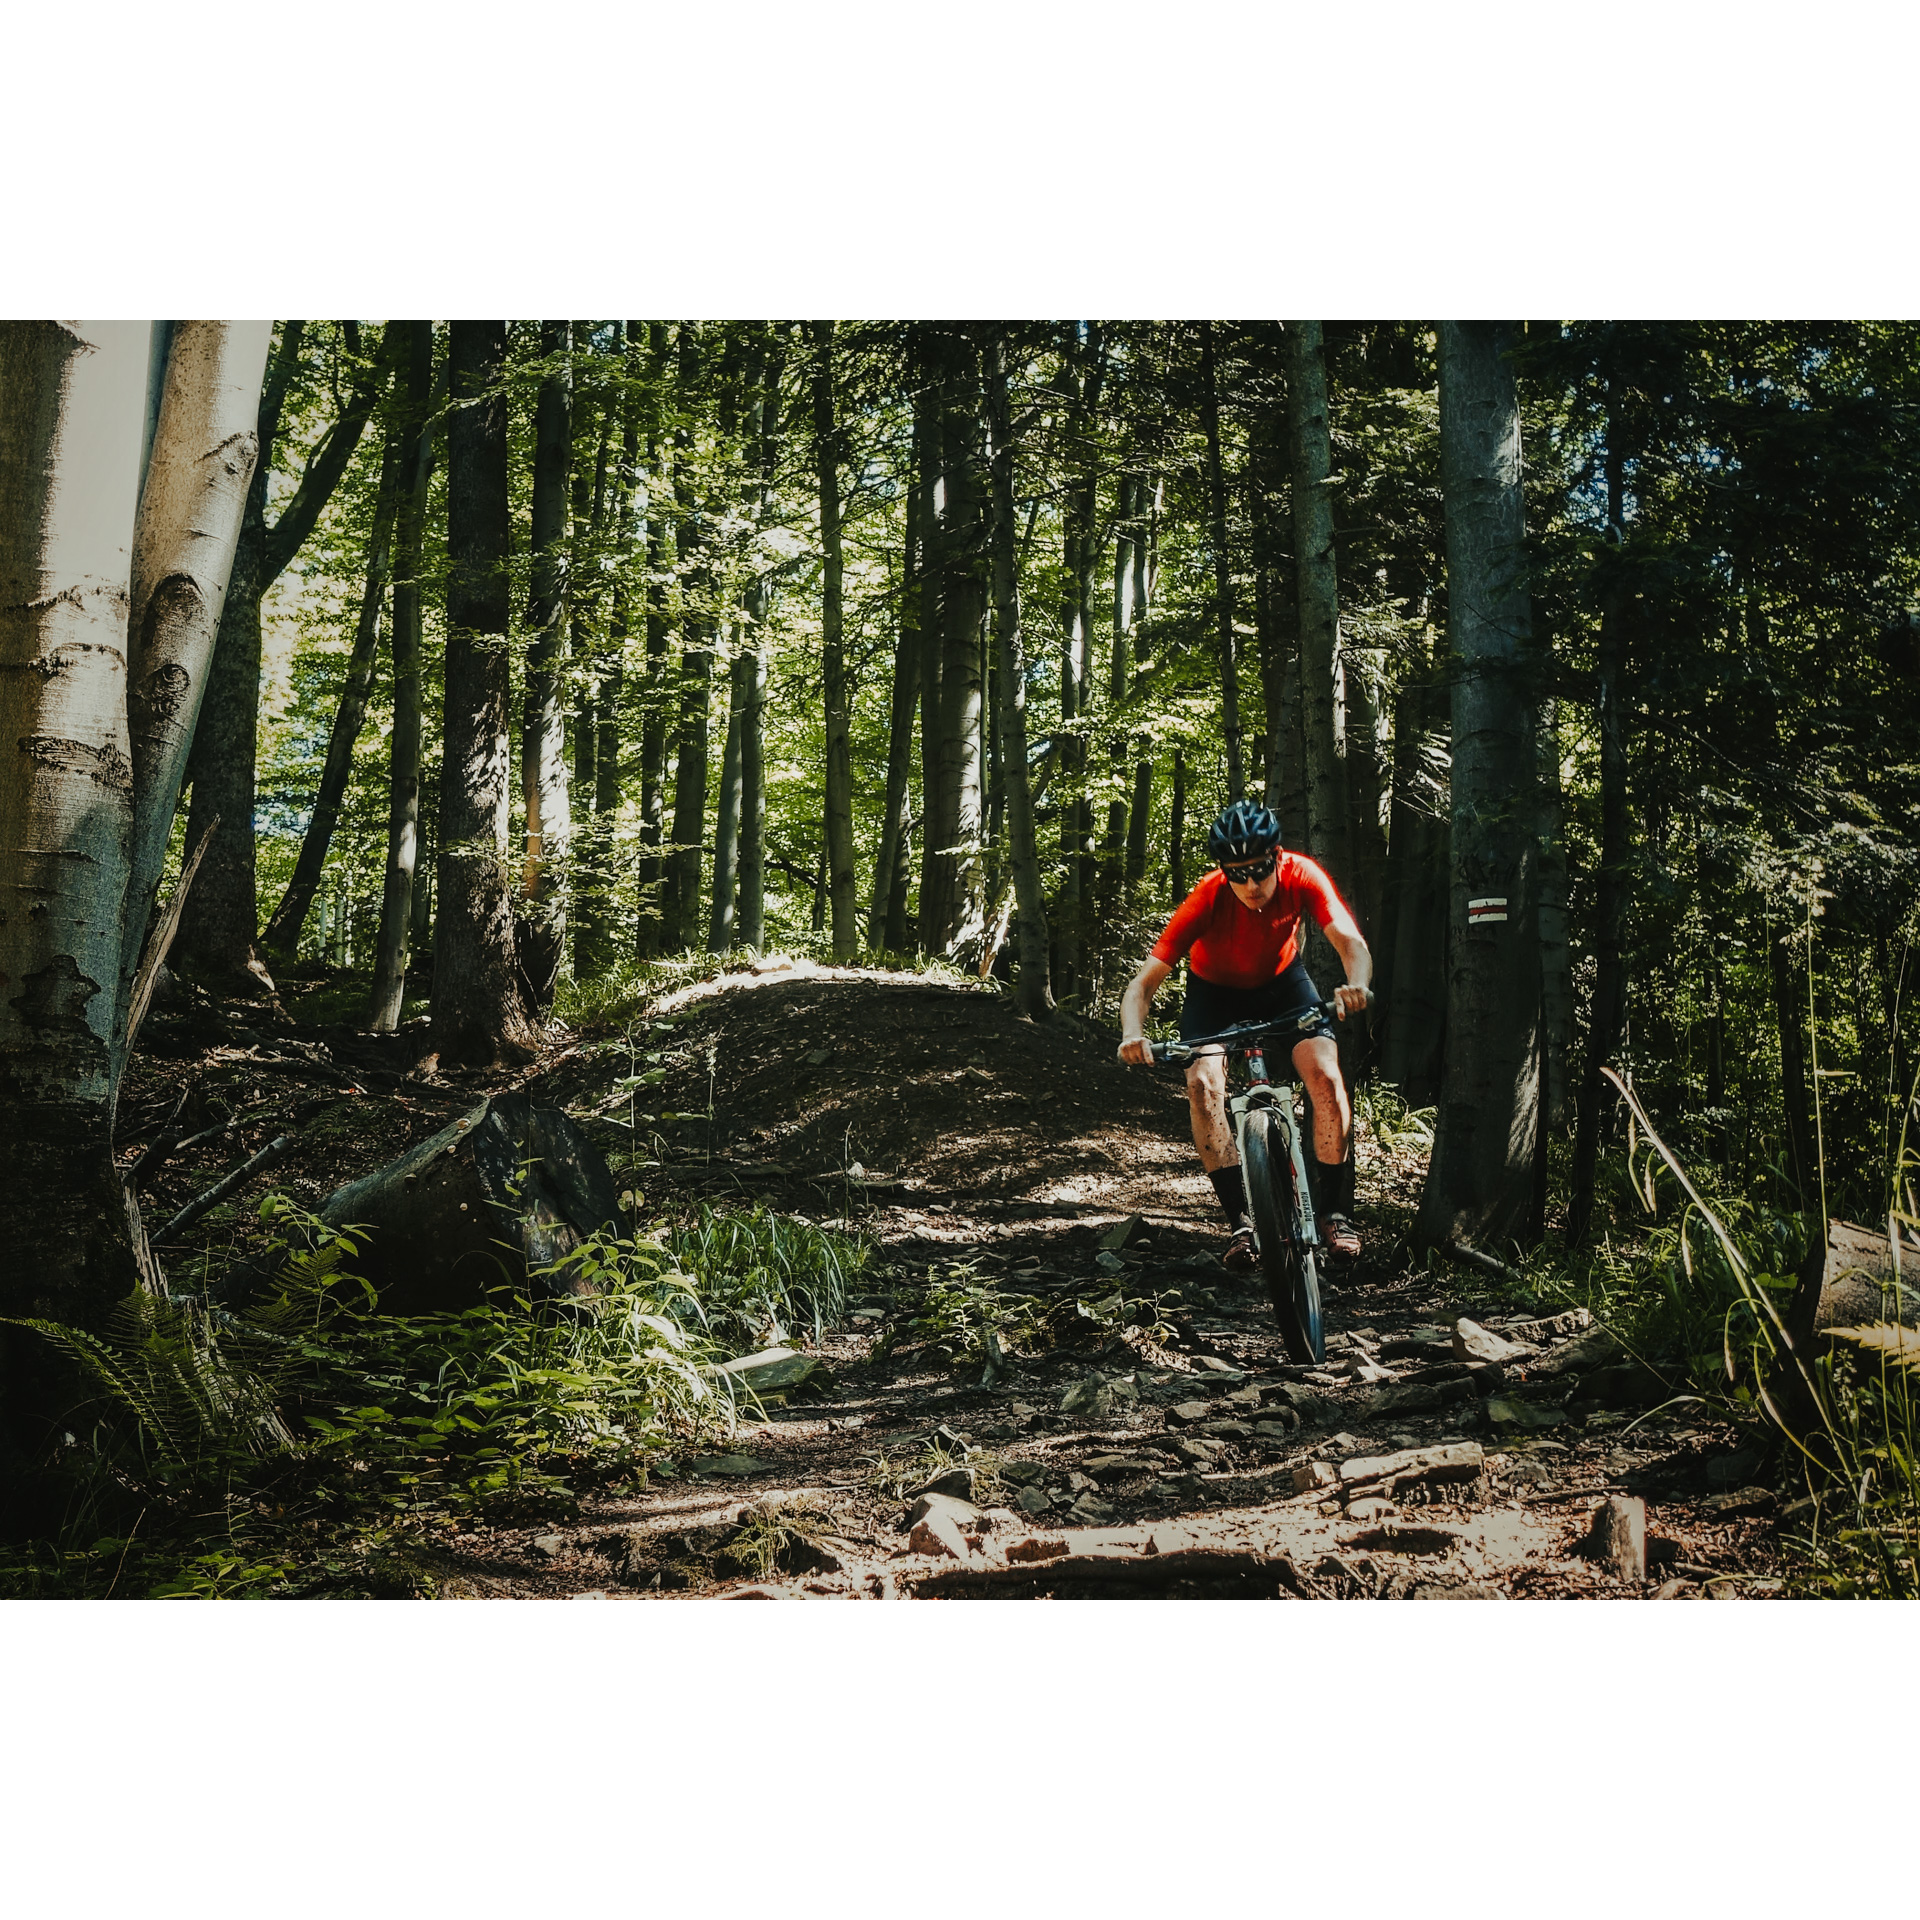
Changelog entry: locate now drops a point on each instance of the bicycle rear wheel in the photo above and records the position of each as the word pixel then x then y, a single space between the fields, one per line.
pixel 1292 1276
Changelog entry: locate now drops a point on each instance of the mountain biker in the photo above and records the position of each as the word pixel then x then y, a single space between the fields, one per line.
pixel 1239 931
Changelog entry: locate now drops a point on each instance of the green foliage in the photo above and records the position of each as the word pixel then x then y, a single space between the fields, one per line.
pixel 324 1442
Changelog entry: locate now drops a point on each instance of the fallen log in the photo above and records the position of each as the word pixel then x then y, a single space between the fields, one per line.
pixel 203 1203
pixel 1859 1284
pixel 481 1207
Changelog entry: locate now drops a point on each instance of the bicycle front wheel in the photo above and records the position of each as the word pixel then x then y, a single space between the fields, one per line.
pixel 1293 1279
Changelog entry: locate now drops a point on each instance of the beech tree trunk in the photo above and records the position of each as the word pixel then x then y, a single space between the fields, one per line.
pixel 890 862
pixel 1083 369
pixel 662 548
pixel 1032 990
pixel 282 936
pixel 1480 1178
pixel 72 402
pixel 697 619
pixel 397 904
pixel 756 606
pixel 541 934
pixel 202 446
pixel 1177 830
pixel 478 1015
pixel 1119 693
pixel 951 907
pixel 219 926
pixel 726 832
pixel 929 456
pixel 609 771
pixel 1222 568
pixel 841 881
pixel 1140 813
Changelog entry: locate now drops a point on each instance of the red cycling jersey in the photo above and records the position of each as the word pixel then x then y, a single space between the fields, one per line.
pixel 1235 946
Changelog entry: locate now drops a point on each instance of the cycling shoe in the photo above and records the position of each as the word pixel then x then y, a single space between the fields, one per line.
pixel 1239 1254
pixel 1343 1240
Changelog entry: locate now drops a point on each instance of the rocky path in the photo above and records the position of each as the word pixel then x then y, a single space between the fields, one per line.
pixel 1447 1448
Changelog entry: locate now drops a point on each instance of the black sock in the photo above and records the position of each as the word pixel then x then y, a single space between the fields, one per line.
pixel 1333 1185
pixel 1230 1188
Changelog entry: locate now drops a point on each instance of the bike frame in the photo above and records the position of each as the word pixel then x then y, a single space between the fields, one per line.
pixel 1265 1094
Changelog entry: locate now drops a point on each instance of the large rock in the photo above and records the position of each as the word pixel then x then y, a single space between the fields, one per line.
pixel 1462 1460
pixel 1594 1348
pixel 938 1525
pixel 480 1209
pixel 1618 1537
pixel 773 1373
pixel 1474 1342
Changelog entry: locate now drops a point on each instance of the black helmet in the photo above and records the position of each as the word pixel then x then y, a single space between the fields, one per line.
pixel 1244 831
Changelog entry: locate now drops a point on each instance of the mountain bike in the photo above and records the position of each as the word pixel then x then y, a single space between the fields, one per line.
pixel 1272 1139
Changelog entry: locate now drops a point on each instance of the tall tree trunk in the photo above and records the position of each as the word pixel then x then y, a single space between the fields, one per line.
pixel 609 773
pixel 1480 1178
pixel 653 724
pixel 838 798
pixel 202 446
pixel 1119 692
pixel 415 370
pixel 1083 370
pixel 1606 1016
pixel 933 506
pixel 1177 852
pixel 952 916
pixel 1222 568
pixel 1276 615
pixel 898 807
pixel 726 833
pixel 218 927
pixel 282 936
pixel 1032 991
pixel 596 719
pixel 71 416
pixel 1415 980
pixel 757 605
pixel 478 1015
pixel 1140 814
pixel 541 934
pixel 753 781
pixel 685 860
pixel 1327 818
pixel 1786 951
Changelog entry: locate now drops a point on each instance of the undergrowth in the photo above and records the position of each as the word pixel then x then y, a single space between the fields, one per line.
pixel 1696 1280
pixel 309 1444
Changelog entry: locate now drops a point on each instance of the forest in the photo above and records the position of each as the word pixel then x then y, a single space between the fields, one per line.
pixel 418 718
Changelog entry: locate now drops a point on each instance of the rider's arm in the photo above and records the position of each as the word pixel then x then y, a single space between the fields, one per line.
pixel 1133 1012
pixel 1347 941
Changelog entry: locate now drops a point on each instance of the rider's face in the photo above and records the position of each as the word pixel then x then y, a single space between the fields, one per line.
pixel 1256 893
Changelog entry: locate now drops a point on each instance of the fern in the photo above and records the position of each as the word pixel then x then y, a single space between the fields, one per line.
pixel 1898 1345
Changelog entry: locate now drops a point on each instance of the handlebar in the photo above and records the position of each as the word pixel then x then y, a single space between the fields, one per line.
pixel 1242 1038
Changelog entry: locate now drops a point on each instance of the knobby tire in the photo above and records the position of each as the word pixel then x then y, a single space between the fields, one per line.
pixel 1293 1280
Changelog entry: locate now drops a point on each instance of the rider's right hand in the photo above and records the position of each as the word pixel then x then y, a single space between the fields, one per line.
pixel 1136 1053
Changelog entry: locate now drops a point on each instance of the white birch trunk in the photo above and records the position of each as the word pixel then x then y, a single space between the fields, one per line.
pixel 71 407
pixel 72 413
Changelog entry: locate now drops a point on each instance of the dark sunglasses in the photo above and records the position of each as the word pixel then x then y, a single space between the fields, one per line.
pixel 1245 876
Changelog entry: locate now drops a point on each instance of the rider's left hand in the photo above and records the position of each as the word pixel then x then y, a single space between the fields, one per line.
pixel 1352 1000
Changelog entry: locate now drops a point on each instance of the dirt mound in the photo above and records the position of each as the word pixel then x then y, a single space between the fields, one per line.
pixel 872 1077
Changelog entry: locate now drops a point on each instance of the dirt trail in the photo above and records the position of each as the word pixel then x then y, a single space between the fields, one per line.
pixel 936 1121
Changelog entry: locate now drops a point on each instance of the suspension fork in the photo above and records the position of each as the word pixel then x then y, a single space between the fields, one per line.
pixel 1282 1107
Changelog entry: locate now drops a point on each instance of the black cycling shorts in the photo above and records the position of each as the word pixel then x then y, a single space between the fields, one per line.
pixel 1212 1009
